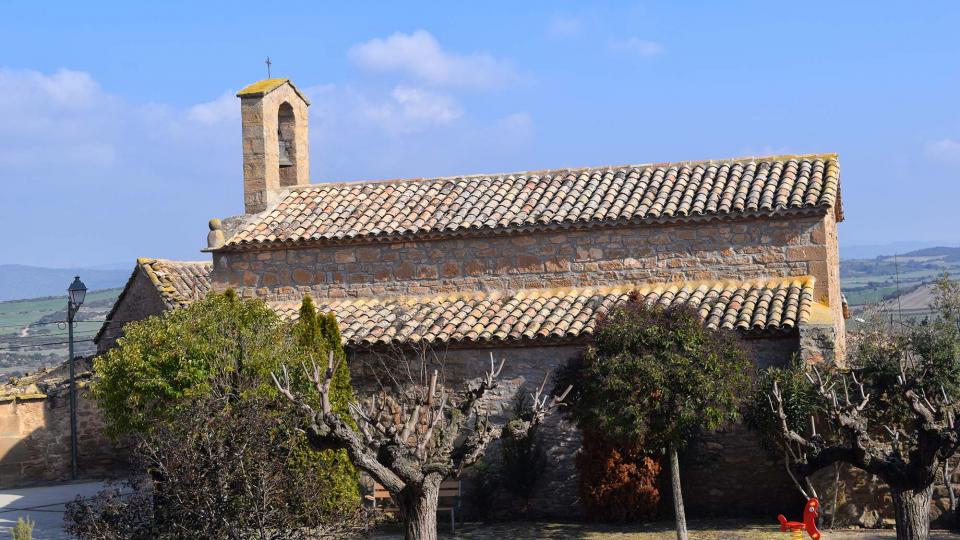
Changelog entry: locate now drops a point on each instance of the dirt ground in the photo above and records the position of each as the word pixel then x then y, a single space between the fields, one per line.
pixel 715 530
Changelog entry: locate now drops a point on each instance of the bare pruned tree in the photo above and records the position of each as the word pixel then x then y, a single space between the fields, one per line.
pixel 905 446
pixel 414 432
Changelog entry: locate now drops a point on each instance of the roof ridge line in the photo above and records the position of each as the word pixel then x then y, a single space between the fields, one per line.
pixel 426 180
pixel 150 260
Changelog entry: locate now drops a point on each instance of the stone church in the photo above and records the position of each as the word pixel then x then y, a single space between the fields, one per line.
pixel 521 264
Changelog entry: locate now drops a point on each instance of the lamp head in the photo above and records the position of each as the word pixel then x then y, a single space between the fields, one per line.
pixel 77 291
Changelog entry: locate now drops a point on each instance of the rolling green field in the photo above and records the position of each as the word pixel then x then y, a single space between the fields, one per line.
pixel 33 332
pixel 868 282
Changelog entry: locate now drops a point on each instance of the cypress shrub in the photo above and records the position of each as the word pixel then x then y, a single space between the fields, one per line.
pixel 316 335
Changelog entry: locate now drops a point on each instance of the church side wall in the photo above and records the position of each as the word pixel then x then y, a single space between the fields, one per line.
pixel 140 300
pixel 714 472
pixel 757 248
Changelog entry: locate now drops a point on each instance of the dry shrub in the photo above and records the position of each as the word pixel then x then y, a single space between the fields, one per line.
pixel 617 482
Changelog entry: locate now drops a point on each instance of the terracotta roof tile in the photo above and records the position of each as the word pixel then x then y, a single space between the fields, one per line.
pixel 559 314
pixel 556 198
pixel 179 282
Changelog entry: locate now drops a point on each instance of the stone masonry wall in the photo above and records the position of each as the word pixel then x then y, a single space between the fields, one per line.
pixel 35 441
pixel 832 272
pixel 262 179
pixel 140 301
pixel 524 368
pixel 714 472
pixel 738 250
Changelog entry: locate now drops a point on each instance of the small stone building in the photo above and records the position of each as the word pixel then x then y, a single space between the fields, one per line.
pixel 521 264
pixel 156 285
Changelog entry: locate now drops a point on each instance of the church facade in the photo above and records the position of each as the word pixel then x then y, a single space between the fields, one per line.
pixel 521 265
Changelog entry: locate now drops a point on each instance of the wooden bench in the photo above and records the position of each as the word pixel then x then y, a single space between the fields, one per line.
pixel 449 500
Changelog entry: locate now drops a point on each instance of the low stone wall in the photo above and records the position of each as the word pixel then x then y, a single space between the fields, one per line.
pixel 35 441
pixel 863 500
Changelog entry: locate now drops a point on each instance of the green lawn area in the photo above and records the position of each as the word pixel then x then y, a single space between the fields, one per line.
pixel 33 334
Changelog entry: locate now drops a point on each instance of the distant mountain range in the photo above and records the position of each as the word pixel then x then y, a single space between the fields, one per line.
pixel 871 251
pixel 863 265
pixel 19 281
pixel 878 279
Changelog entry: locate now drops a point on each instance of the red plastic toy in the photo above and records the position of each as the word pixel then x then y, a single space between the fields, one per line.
pixel 809 524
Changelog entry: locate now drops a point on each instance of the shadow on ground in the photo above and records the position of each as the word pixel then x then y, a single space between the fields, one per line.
pixel 43 505
pixel 699 530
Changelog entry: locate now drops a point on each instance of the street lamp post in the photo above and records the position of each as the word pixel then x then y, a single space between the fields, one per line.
pixel 76 292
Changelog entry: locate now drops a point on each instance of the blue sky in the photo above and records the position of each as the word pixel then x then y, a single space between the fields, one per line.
pixel 120 134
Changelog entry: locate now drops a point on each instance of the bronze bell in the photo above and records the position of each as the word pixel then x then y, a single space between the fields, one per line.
pixel 284 151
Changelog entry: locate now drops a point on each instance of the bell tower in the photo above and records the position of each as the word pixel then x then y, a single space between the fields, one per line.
pixel 276 150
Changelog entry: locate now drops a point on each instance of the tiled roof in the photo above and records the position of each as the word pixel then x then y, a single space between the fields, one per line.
pixel 559 198
pixel 559 314
pixel 179 282
pixel 264 87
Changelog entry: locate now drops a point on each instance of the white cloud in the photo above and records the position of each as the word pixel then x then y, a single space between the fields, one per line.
pixel 112 178
pixel 224 108
pixel 636 46
pixel 944 150
pixel 420 55
pixel 65 89
pixel 565 26
pixel 420 105
pixel 152 174
pixel 65 119
pixel 405 110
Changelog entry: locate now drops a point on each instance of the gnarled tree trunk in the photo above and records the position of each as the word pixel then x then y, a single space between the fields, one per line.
pixel 418 507
pixel 912 507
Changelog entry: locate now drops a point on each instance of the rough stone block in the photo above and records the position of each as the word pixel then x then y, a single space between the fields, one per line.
pixel 343 256
pixel 450 269
pixel 302 276
pixel 806 253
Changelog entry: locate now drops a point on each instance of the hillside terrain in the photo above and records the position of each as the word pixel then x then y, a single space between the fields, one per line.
pixel 874 281
pixel 19 281
pixel 33 332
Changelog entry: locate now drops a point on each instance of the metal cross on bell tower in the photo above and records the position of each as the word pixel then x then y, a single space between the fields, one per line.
pixel 269 63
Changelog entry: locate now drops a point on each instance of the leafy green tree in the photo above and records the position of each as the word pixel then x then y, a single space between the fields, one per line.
pixel 227 347
pixel 890 410
pixel 657 376
pixel 226 474
pixel 222 345
pixel 317 336
pixel 803 402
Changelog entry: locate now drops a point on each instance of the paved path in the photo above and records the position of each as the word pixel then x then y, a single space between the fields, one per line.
pixel 44 505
